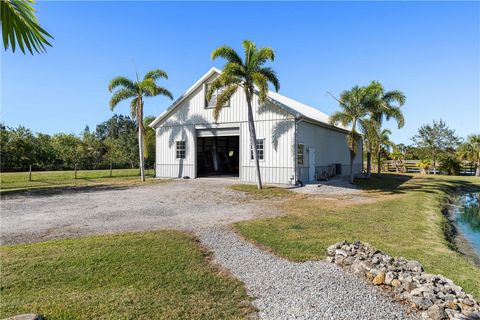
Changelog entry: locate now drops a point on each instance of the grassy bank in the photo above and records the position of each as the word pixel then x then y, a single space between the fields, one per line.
pixel 152 275
pixel 19 181
pixel 401 215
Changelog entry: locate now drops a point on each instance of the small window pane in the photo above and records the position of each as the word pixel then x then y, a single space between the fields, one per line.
pixel 213 101
pixel 300 151
pixel 180 150
pixel 260 149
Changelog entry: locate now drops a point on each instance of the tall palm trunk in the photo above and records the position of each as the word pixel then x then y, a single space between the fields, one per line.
pixel 253 138
pixel 369 162
pixel 379 164
pixel 140 139
pixel 352 157
pixel 477 170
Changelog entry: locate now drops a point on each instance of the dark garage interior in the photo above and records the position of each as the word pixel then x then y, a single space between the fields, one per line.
pixel 218 156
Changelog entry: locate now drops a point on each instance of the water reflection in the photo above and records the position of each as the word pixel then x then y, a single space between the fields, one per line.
pixel 468 219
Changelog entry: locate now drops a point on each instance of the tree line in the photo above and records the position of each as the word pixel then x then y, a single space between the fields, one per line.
pixel 113 143
pixel 437 149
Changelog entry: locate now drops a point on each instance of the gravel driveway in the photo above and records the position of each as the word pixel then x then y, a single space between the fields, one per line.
pixel 179 204
pixel 288 290
pixel 281 289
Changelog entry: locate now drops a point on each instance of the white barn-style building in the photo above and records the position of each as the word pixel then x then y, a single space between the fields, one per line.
pixel 295 141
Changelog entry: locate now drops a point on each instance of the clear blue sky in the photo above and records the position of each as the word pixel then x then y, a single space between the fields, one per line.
pixel 429 50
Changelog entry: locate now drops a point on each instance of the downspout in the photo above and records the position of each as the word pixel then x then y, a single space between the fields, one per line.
pixel 297 120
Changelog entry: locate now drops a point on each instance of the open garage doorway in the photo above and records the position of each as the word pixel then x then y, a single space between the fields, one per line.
pixel 218 156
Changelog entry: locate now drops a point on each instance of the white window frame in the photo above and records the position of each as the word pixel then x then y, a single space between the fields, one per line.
pixel 262 149
pixel 303 154
pixel 177 149
pixel 214 97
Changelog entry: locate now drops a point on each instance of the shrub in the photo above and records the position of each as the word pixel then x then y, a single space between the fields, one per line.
pixel 450 165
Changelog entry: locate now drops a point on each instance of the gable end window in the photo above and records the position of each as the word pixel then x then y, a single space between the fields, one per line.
pixel 300 153
pixel 180 149
pixel 213 100
pixel 260 149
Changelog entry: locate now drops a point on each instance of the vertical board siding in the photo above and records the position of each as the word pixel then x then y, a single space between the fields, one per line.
pixel 167 165
pixel 330 147
pixel 277 165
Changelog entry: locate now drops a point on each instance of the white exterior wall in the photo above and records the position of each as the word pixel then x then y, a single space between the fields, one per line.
pixel 167 165
pixel 330 147
pixel 271 123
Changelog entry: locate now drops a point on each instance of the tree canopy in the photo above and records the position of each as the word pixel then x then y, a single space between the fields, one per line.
pixel 113 142
pixel 435 139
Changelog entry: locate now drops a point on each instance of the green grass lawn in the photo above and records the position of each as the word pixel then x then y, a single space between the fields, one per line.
pixel 151 275
pixel 18 181
pixel 401 216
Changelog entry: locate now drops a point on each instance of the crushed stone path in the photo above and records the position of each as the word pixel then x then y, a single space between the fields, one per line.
pixel 290 290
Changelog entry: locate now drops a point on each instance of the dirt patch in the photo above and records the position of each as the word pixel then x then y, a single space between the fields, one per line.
pixel 179 204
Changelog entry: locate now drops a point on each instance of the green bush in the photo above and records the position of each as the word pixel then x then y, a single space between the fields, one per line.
pixel 450 165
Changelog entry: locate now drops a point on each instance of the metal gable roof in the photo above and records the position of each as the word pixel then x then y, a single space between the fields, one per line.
pixel 297 109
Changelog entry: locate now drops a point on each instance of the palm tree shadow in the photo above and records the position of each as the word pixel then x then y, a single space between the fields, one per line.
pixel 403 183
pixel 282 126
pixel 385 183
pixel 176 127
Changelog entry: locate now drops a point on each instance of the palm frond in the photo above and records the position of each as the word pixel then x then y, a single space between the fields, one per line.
pixel 233 69
pixel 340 117
pixel 222 81
pixel 150 89
pixel 121 82
pixel 161 91
pixel 119 96
pixel 155 75
pixel 395 96
pixel 271 75
pixel 133 108
pixel 227 53
pixel 261 82
pixel 20 25
pixel 395 113
pixel 263 55
pixel 213 86
pixel 386 132
pixel 223 99
pixel 250 49
pixel 147 87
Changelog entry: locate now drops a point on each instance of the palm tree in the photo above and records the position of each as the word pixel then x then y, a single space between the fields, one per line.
pixel 352 103
pixel 137 90
pixel 470 150
pixel 383 105
pixel 383 143
pixel 399 152
pixel 20 25
pixel 424 165
pixel 248 74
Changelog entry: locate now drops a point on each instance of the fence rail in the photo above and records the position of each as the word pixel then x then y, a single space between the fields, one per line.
pixel 411 166
pixel 33 175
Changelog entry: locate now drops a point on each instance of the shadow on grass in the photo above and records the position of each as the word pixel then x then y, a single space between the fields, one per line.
pixel 53 191
pixel 403 183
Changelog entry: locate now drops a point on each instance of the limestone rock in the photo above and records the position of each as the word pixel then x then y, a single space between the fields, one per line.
pixel 379 279
pixel 435 312
pixel 436 296
pixel 389 277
